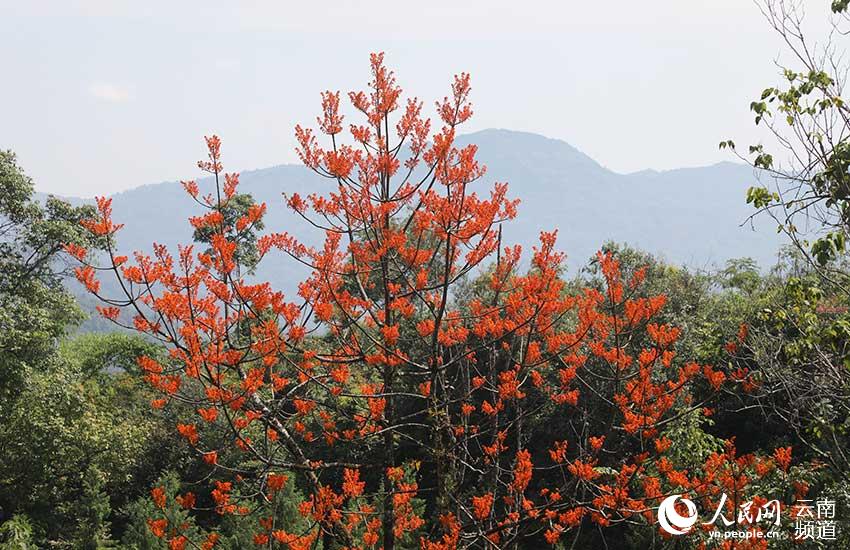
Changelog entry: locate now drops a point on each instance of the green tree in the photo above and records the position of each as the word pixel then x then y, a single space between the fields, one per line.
pixel 806 115
pixel 64 422
pixel 141 512
pixel 93 524
pixel 799 327
pixel 17 534
pixel 246 243
pixel 34 308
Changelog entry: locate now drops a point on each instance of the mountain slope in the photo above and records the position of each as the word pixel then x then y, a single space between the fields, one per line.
pixel 689 216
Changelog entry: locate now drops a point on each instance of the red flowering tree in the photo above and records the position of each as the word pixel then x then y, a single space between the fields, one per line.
pixel 400 390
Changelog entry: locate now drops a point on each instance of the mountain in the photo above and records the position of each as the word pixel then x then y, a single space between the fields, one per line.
pixel 690 216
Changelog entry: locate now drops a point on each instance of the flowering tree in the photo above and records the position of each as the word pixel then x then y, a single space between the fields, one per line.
pixel 402 389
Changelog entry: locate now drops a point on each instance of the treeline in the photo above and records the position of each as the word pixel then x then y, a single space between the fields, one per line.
pixel 82 451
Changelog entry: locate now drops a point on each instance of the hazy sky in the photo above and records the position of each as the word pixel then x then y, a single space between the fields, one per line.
pixel 102 96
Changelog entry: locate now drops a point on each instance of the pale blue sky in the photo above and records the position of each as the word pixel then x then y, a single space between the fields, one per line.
pixel 101 96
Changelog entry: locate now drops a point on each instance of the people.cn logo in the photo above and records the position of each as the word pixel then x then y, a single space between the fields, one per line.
pixel 670 519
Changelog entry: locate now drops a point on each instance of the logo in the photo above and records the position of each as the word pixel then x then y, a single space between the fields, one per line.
pixel 670 519
pixel 754 519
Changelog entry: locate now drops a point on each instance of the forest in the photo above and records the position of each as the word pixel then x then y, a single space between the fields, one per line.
pixel 429 386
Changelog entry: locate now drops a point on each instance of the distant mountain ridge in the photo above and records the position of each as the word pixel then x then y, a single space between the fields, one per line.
pixel 689 216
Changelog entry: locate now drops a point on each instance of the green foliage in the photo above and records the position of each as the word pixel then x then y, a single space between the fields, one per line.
pixel 760 197
pixel 694 444
pixel 740 274
pixel 238 531
pixel 829 247
pixel 34 308
pixel 138 535
pixel 103 355
pixel 810 320
pixel 63 422
pixel 815 182
pixel 93 524
pixel 246 253
pixel 17 534
pixel 235 531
